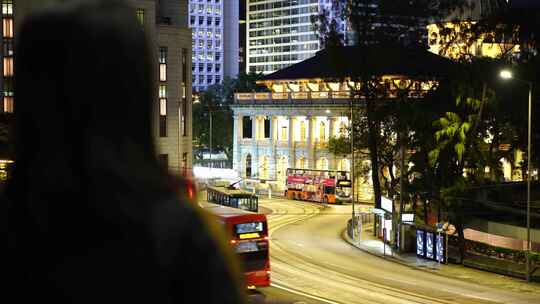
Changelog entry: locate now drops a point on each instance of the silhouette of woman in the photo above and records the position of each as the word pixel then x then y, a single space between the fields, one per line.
pixel 92 216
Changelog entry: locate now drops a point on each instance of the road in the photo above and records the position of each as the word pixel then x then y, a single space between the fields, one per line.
pixel 313 264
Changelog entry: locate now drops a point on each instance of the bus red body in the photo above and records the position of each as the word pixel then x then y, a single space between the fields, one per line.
pixel 324 186
pixel 248 234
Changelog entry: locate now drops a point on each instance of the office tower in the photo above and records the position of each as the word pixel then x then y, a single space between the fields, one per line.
pixel 242 39
pixel 280 33
pixel 7 56
pixel 165 22
pixel 215 34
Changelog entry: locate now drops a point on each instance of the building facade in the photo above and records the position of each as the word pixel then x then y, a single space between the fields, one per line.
pixel 275 131
pixel 310 102
pixel 215 41
pixel 280 33
pixel 166 24
pixel 8 43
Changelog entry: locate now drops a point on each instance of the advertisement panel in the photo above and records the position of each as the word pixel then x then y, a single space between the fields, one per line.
pixel 420 235
pixel 430 250
pixel 440 249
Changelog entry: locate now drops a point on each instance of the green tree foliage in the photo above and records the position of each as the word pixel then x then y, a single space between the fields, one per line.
pixel 374 21
pixel 339 145
pixel 216 100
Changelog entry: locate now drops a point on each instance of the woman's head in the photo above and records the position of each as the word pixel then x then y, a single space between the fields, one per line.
pixel 84 92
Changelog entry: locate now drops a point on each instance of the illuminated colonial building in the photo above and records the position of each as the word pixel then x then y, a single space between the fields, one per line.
pixel 166 23
pixel 290 126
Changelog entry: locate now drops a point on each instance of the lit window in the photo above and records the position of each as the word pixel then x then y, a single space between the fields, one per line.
pixel 7 7
pixel 163 54
pixel 8 104
pixel 140 15
pixel 162 91
pixel 163 63
pixel 8 66
pixel 7 28
pixel 163 106
pixel 162 72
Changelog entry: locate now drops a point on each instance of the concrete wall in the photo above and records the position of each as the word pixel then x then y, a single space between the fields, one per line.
pixel 502 235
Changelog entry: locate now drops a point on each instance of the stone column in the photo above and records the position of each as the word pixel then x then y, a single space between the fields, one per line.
pixel 273 147
pixel 310 145
pixel 254 127
pixel 331 132
pixel 254 149
pixel 237 137
pixel 331 126
pixel 273 129
pixel 292 150
pixel 261 127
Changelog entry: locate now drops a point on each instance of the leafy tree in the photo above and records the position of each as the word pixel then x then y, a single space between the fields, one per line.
pixel 512 23
pixel 215 102
pixel 374 21
pixel 339 145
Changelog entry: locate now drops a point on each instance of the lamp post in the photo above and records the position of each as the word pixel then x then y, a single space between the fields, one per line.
pixel 506 74
pixel 352 167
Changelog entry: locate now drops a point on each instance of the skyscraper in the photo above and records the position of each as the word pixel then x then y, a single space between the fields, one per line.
pixel 7 56
pixel 215 34
pixel 280 33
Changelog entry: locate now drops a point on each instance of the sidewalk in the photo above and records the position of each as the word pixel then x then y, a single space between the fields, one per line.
pixel 369 243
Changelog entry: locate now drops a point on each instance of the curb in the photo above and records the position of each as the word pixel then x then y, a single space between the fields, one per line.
pixel 393 259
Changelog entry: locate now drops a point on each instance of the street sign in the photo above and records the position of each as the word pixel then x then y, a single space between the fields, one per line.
pixel 387 204
pixel 377 211
pixel 407 217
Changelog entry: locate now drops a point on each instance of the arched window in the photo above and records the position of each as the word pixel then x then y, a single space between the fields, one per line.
pixel 284 133
pixel 322 131
pixel 322 164
pixel 248 165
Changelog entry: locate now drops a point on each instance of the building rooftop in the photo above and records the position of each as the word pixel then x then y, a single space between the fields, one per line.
pixel 374 60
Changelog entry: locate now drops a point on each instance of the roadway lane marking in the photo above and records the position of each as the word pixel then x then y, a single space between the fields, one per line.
pixel 300 293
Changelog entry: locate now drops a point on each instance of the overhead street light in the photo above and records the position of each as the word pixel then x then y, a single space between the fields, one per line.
pixel 507 74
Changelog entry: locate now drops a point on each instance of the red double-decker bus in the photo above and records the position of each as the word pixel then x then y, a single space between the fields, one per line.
pixel 324 186
pixel 248 234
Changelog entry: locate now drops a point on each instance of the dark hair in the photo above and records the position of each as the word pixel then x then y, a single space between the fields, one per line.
pixel 84 101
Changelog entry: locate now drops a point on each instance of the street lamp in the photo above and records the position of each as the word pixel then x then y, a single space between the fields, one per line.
pixel 506 74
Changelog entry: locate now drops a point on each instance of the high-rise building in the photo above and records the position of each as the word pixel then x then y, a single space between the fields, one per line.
pixel 280 33
pixel 7 56
pixel 215 34
pixel 242 39
pixel 166 22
